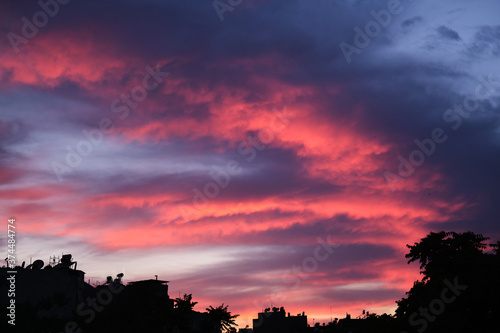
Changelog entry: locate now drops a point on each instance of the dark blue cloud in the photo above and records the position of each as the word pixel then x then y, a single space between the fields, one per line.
pixel 448 33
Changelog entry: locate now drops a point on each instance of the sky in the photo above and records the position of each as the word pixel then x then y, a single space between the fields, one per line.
pixel 252 153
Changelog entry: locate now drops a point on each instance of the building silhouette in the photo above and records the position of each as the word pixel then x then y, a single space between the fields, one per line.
pixel 48 299
pixel 278 321
pixel 53 291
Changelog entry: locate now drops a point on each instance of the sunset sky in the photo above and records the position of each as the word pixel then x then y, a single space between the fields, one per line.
pixel 252 153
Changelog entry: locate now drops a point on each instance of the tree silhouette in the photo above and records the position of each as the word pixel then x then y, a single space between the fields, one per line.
pixel 185 303
pixel 459 290
pixel 444 253
pixel 221 318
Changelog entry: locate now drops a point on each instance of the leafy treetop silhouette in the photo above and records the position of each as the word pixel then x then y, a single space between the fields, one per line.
pixel 454 264
pixel 185 304
pixel 445 253
pixel 222 318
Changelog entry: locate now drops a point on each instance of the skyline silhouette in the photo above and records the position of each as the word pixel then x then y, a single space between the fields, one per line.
pixel 451 294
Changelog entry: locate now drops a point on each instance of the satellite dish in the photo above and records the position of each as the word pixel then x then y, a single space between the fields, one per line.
pixel 38 264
